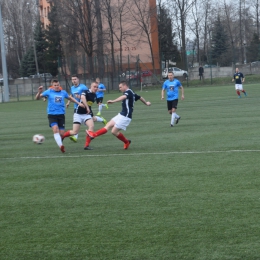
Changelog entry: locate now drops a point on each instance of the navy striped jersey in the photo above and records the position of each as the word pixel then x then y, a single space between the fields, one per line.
pixel 238 77
pixel 128 103
pixel 91 98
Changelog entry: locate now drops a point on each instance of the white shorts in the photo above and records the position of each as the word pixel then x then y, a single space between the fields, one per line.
pixel 238 86
pixel 81 118
pixel 121 122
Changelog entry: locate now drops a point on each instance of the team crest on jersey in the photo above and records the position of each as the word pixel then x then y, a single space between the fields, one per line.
pixel 58 99
pixel 171 87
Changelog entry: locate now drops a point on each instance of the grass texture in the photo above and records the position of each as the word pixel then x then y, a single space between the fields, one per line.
pixel 185 192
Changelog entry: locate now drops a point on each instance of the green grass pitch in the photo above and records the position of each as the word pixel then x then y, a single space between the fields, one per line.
pixel 186 192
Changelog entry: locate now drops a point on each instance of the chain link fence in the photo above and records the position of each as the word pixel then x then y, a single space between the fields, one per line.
pixel 134 71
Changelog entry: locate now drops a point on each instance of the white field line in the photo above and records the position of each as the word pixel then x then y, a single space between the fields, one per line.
pixel 127 154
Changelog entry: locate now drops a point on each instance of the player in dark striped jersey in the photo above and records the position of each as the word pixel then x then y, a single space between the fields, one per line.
pixel 85 115
pixel 123 119
pixel 239 80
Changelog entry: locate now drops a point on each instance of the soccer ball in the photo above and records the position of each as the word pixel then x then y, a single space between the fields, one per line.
pixel 38 139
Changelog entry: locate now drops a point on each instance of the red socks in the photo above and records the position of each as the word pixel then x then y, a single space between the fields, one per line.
pixel 66 134
pixel 101 131
pixel 122 138
pixel 88 140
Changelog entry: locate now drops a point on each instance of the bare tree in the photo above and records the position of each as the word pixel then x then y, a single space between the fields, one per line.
pixel 107 12
pixel 77 19
pixel 145 18
pixel 100 41
pixel 182 9
pixel 18 31
pixel 256 10
pixel 195 24
pixel 121 31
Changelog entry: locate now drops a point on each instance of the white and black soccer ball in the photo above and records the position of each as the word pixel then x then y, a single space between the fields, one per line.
pixel 38 139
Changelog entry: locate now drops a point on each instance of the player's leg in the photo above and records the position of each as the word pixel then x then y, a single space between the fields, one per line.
pixel 121 123
pixel 77 120
pixel 90 125
pixel 101 131
pixel 173 105
pixel 73 132
pixel 54 124
pixel 237 87
pixel 99 102
pixel 242 90
pixel 100 119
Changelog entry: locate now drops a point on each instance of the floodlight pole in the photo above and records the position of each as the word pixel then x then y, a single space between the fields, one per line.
pixel 4 67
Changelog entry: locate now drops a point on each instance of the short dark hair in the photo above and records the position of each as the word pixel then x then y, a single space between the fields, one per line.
pixel 74 76
pixel 123 82
pixel 53 80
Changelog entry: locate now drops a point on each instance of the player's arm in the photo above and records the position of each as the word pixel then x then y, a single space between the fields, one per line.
pixel 68 102
pixel 243 79
pixel 39 93
pixel 163 90
pixel 147 103
pixel 121 98
pixel 85 103
pixel 182 92
pixel 75 101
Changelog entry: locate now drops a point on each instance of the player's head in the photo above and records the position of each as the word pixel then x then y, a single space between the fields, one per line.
pixel 170 75
pixel 94 86
pixel 98 80
pixel 54 80
pixel 75 79
pixel 56 85
pixel 123 86
pixel 237 69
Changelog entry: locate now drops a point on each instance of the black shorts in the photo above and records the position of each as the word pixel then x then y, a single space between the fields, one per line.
pixel 99 100
pixel 58 120
pixel 172 104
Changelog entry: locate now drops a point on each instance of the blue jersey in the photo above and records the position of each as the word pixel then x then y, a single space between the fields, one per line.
pixel 56 102
pixel 128 103
pixel 76 92
pixel 172 88
pixel 238 77
pixel 100 93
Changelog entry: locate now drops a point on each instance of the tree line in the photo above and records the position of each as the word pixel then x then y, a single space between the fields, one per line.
pixel 189 31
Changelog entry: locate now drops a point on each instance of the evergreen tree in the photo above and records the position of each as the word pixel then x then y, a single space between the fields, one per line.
pixel 219 44
pixel 168 49
pixel 28 67
pixel 41 47
pixel 253 50
pixel 53 37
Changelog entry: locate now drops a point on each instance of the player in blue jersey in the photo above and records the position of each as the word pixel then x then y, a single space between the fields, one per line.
pixel 123 119
pixel 85 115
pixel 239 80
pixel 56 110
pixel 76 90
pixel 172 87
pixel 100 96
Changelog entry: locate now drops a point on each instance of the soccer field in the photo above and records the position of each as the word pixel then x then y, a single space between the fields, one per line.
pixel 185 192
